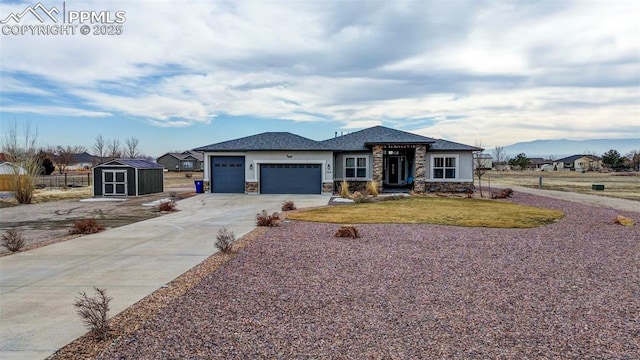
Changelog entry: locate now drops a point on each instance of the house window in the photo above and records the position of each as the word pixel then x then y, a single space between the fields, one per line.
pixel 187 164
pixel 355 167
pixel 444 167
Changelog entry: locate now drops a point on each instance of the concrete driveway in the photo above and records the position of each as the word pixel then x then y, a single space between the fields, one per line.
pixel 38 287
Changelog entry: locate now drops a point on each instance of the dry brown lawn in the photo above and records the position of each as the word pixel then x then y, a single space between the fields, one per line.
pixel 617 185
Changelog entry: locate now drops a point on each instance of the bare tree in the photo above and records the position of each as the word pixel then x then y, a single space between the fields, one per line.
pixel 99 146
pixel 499 157
pixel 634 157
pixel 479 166
pixel 25 160
pixel 132 150
pixel 113 149
pixel 65 156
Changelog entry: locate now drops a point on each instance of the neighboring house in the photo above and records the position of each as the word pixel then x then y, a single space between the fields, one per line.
pixel 184 161
pixel 82 161
pixel 579 163
pixel 7 168
pixel 539 163
pixel 281 162
pixel 3 158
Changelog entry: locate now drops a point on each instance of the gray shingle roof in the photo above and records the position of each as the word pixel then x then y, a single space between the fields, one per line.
pixel 359 140
pixel 573 158
pixel 268 141
pixel 185 154
pixel 136 163
pixel 444 145
pixel 355 141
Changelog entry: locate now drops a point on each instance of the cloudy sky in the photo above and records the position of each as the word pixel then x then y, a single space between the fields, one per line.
pixel 189 73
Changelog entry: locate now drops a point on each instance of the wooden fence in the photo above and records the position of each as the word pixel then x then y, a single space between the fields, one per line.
pixel 6 182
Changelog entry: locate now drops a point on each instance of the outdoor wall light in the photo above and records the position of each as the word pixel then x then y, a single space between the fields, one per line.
pixel 328 167
pixel 250 166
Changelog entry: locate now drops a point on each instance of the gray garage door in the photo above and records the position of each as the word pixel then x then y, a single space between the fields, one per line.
pixel 227 174
pixel 290 179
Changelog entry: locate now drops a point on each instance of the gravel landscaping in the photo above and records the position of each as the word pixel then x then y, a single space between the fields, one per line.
pixel 566 290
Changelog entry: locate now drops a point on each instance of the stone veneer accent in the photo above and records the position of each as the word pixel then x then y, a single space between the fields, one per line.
pixel 378 165
pixel 420 160
pixel 459 187
pixel 327 187
pixel 251 187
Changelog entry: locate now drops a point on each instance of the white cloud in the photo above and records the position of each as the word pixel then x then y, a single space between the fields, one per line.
pixel 495 71
pixel 54 111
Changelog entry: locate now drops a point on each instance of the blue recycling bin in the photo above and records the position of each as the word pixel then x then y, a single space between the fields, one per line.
pixel 199 187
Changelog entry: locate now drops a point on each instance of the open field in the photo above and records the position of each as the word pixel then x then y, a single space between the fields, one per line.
pixel 617 185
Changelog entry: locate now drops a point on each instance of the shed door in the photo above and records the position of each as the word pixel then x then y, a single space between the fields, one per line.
pixel 227 174
pixel 290 179
pixel 114 182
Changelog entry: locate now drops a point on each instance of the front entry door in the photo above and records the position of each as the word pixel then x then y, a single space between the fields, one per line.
pixel 394 170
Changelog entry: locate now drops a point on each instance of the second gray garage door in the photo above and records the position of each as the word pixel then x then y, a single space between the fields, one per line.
pixel 290 179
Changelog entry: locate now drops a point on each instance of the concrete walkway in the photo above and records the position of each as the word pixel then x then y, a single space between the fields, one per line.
pixel 38 287
pixel 595 200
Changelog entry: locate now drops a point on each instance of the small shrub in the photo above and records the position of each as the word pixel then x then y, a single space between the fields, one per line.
pixel 503 194
pixel 167 206
pixel 86 226
pixel 264 219
pixel 347 231
pixel 224 240
pixel 357 197
pixel 12 240
pixel 344 189
pixel 372 188
pixel 93 311
pixel 288 206
pixel 188 175
pixel 623 220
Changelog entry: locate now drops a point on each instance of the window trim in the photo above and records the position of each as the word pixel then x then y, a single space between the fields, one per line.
pixel 444 168
pixel 356 167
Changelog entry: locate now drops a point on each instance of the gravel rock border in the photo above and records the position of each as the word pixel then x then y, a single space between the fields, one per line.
pixel 566 290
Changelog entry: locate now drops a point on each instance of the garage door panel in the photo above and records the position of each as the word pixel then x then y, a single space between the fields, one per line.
pixel 227 174
pixel 290 179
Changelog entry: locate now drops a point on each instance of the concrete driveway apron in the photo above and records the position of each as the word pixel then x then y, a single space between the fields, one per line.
pixel 38 287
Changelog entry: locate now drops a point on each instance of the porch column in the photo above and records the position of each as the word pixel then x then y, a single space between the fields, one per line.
pixel 420 160
pixel 377 165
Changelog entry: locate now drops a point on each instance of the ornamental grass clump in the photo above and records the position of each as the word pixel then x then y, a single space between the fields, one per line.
pixel 224 240
pixel 372 188
pixel 93 311
pixel 344 190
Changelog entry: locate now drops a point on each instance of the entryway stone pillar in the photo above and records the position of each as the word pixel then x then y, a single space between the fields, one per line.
pixel 378 166
pixel 420 160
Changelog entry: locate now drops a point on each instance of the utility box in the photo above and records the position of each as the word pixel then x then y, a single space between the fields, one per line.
pixel 597 187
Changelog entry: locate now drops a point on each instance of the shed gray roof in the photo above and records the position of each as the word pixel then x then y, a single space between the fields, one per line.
pixel 268 141
pixel 135 163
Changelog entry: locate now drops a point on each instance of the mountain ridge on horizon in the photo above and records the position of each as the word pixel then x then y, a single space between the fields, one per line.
pixel 560 148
